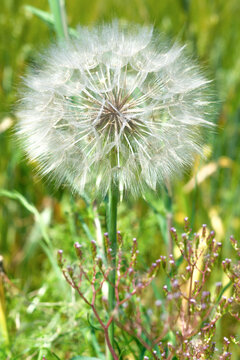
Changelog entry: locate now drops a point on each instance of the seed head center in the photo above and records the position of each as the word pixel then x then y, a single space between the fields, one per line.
pixel 113 115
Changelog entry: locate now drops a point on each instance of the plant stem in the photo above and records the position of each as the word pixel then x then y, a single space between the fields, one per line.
pixel 112 233
pixel 3 323
pixel 60 20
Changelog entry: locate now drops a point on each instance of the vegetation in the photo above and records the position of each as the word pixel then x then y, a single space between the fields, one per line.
pixel 40 315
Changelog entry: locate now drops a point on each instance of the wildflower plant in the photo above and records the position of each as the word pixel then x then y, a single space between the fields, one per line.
pixel 113 109
pixel 183 322
pixel 128 282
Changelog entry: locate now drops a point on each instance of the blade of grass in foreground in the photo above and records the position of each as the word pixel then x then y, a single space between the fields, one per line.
pixel 45 242
pixel 47 18
pixel 60 20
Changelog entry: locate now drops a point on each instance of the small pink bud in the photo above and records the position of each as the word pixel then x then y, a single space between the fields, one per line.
pixel 204 227
pixel 78 250
pixel 158 303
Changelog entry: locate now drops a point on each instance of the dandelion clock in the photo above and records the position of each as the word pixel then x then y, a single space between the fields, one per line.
pixel 113 106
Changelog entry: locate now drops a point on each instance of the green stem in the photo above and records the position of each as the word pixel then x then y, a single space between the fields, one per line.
pixel 60 20
pixel 112 233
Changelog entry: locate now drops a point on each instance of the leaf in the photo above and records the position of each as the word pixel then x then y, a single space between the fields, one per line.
pixel 43 15
pixel 47 18
pixel 45 241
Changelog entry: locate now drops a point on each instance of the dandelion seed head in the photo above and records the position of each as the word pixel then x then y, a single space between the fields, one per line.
pixel 114 104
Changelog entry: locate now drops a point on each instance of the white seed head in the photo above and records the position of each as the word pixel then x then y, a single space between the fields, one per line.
pixel 114 104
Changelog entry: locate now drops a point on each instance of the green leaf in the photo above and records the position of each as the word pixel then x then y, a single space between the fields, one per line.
pixel 47 18
pixel 43 15
pixel 44 241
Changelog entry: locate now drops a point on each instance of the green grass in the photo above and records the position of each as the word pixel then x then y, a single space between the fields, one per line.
pixel 34 224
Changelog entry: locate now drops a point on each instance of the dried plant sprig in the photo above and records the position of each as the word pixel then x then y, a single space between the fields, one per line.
pixel 117 104
pixel 183 322
pixel 128 282
pixel 233 272
pixel 189 310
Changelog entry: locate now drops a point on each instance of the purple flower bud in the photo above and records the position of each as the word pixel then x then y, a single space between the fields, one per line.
pixel 204 226
pixel 165 288
pixel 158 303
pixel 59 258
pixel 205 294
pixel 175 283
pixel 78 250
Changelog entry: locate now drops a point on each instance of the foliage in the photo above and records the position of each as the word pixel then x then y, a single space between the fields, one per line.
pixel 44 319
pixel 183 321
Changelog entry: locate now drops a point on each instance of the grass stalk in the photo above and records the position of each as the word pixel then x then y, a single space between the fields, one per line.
pixel 60 19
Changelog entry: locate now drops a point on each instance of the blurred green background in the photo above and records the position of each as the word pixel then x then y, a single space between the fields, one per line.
pixel 35 306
